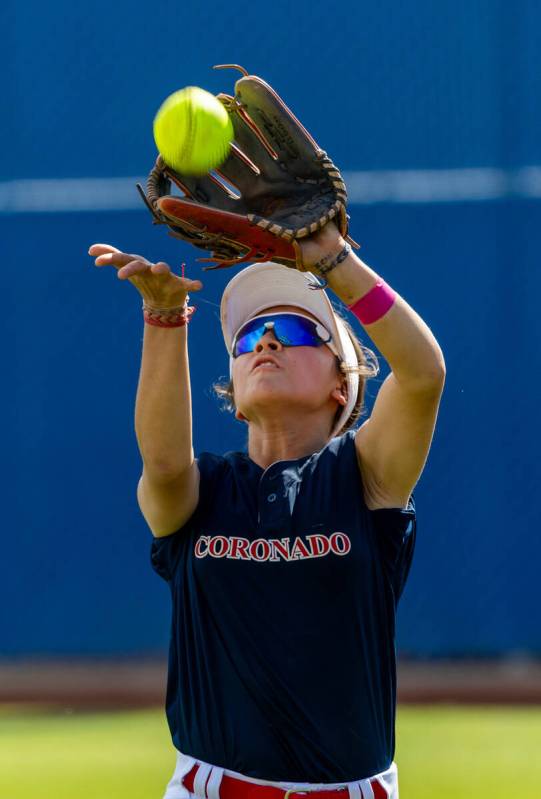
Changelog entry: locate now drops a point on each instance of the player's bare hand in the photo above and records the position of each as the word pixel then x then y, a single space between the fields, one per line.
pixel 156 282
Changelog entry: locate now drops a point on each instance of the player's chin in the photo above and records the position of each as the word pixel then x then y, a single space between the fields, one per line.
pixel 266 371
pixel 269 374
pixel 267 391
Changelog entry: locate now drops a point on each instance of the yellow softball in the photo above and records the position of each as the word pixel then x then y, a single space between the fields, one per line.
pixel 193 131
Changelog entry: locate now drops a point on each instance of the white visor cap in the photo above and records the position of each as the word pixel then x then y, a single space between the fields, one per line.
pixel 264 285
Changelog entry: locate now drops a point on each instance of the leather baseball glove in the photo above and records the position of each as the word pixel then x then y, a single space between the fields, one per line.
pixel 277 186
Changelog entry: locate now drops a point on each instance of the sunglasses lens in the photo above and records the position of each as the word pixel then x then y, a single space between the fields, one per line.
pixel 296 331
pixel 290 330
pixel 248 336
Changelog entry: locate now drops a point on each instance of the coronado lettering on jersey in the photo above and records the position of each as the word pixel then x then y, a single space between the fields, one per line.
pixel 272 549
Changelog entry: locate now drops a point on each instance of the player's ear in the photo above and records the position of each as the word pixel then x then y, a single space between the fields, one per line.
pixel 340 393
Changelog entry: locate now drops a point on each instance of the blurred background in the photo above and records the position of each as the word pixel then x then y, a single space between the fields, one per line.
pixel 431 110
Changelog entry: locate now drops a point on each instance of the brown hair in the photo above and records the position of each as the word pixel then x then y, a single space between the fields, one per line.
pixel 367 367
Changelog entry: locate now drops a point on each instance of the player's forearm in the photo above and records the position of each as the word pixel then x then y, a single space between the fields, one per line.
pixel 401 336
pixel 163 415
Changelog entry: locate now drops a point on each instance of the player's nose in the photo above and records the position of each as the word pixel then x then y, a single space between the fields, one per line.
pixel 268 342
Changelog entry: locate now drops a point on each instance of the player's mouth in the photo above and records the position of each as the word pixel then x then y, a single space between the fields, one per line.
pixel 264 362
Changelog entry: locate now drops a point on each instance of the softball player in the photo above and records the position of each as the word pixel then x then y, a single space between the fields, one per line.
pixel 285 562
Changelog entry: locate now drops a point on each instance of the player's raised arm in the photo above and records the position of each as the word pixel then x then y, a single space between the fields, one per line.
pixel 393 444
pixel 168 489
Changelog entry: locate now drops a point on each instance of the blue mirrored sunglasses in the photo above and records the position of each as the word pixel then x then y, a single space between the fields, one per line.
pixel 291 330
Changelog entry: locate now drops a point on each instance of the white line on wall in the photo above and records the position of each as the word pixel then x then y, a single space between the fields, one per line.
pixel 364 188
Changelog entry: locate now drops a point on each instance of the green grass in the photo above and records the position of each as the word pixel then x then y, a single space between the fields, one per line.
pixel 469 753
pixel 85 756
pixel 442 753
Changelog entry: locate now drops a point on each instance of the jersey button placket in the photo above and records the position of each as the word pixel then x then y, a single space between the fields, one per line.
pixel 270 500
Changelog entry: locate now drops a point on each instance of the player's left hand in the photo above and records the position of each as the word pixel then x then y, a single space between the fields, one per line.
pixel 285 185
pixel 328 241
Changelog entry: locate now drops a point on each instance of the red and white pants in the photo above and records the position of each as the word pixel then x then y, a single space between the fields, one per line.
pixel 206 784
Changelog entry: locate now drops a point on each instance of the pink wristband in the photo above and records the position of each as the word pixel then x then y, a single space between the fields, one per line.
pixel 375 304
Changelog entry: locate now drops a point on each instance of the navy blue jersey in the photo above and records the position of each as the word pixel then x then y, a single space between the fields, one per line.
pixel 284 588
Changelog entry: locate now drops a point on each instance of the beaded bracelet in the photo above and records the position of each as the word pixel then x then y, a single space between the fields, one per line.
pixel 323 268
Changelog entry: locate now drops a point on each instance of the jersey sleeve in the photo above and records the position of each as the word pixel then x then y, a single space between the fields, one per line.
pixel 395 531
pixel 166 551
